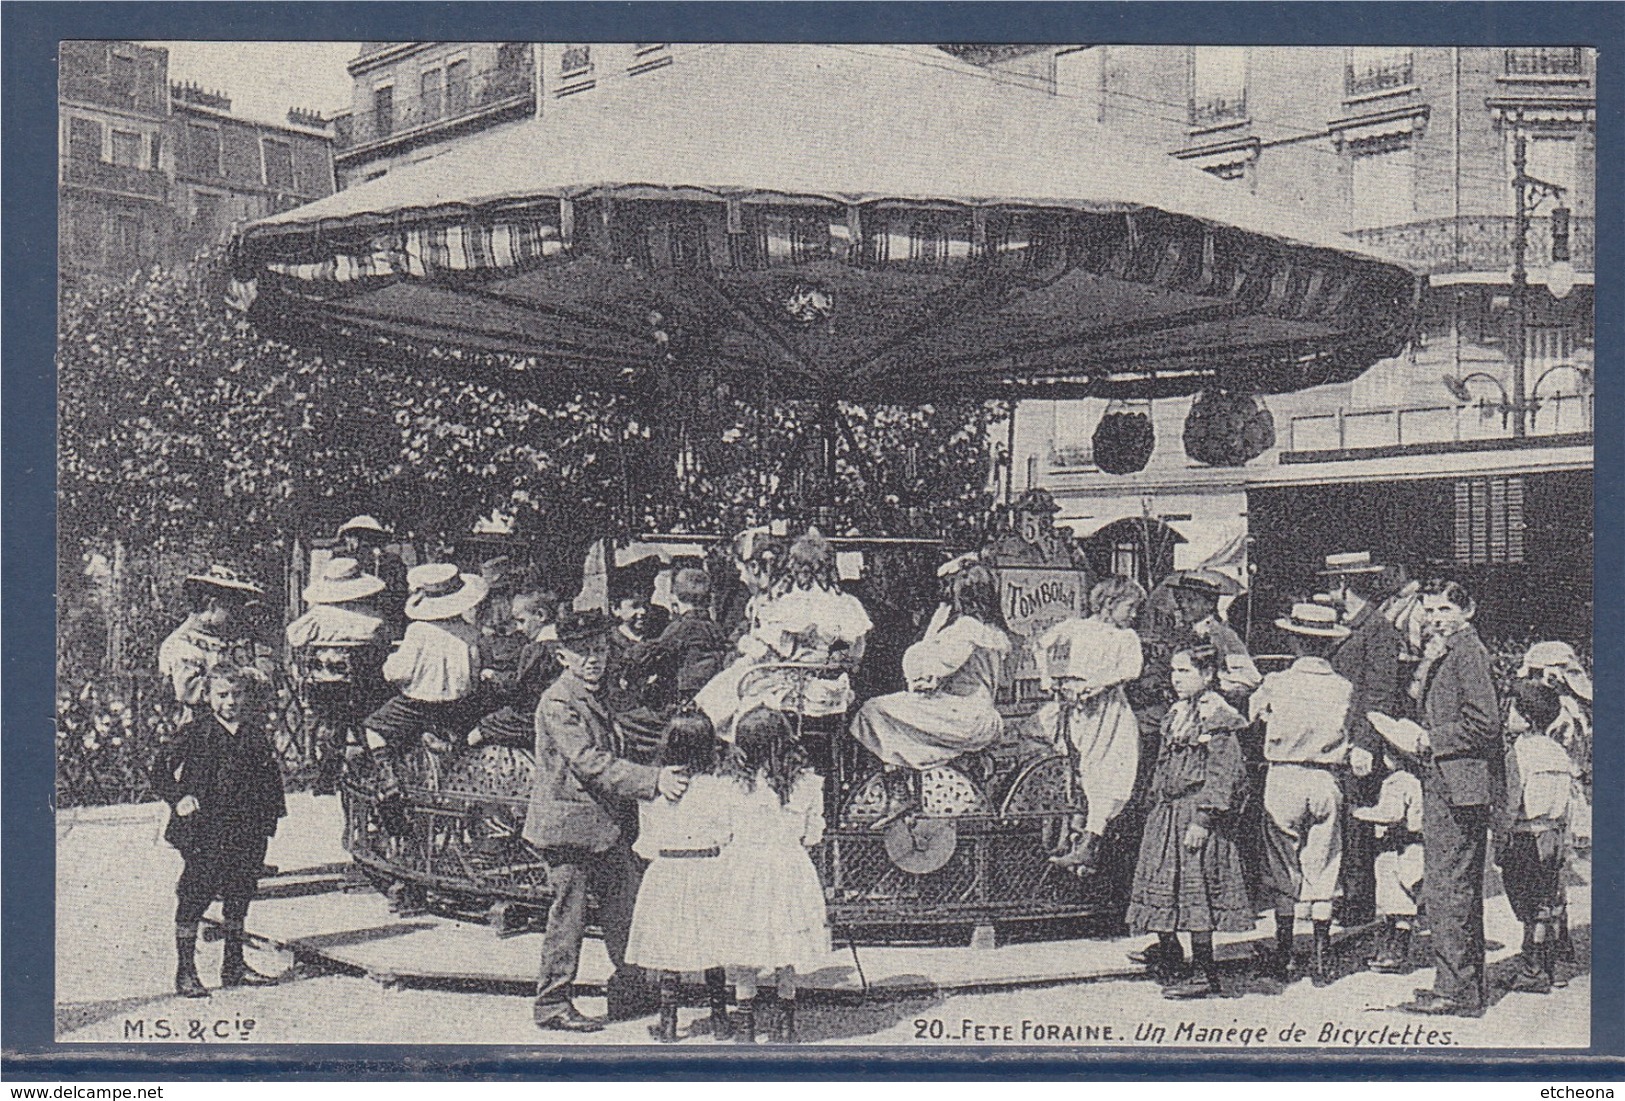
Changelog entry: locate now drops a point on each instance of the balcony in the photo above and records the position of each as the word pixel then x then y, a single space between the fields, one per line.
pixel 115 177
pixel 1372 79
pixel 1544 61
pixel 1444 426
pixel 1478 242
pixel 489 92
pixel 1218 111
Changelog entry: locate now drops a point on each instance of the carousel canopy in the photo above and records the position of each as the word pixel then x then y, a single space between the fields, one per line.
pixel 854 222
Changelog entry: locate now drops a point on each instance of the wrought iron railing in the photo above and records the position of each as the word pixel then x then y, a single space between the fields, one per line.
pixel 1479 242
pixel 1357 429
pixel 115 177
pixel 1365 79
pixel 1543 61
pixel 1217 110
pixel 459 98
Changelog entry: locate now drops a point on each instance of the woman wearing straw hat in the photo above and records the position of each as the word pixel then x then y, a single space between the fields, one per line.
pixel 215 599
pixel 338 648
pixel 436 671
pixel 1304 709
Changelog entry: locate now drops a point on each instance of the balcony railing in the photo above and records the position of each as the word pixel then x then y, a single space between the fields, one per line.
pixel 459 99
pixel 115 177
pixel 1356 429
pixel 1218 110
pixel 1369 79
pixel 1478 242
pixel 1543 61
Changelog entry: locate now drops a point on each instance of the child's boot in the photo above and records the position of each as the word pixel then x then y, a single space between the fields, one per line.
pixel 1395 958
pixel 784 1031
pixel 1203 980
pixel 234 970
pixel 665 1031
pixel 746 1032
pixel 391 797
pixel 1321 963
pixel 187 983
pixel 716 993
pixel 1168 962
pixel 1281 965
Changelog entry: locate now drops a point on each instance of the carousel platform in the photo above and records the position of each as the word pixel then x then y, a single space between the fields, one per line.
pixel 320 910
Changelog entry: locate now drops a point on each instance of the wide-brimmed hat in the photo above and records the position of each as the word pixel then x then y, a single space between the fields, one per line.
pixel 1560 658
pixel 1209 582
pixel 1350 562
pixel 1316 620
pixel 363 523
pixel 224 579
pixel 439 591
pixel 1037 500
pixel 574 626
pixel 754 543
pixel 341 580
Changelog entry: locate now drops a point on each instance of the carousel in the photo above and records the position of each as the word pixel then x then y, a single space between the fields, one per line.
pixel 839 225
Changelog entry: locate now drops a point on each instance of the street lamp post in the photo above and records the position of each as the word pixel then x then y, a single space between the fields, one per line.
pixel 1528 193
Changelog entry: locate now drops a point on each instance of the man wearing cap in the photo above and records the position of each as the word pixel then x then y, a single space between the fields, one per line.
pixel 365 539
pixel 436 673
pixel 579 809
pixel 1197 593
pixel 1304 709
pixel 1369 660
pixel 338 643
pixel 215 600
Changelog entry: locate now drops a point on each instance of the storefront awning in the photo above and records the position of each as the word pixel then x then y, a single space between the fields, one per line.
pixel 855 222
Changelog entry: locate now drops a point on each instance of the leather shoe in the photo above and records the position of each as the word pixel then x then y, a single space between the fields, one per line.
pixel 247 976
pixel 1436 1005
pixel 567 1018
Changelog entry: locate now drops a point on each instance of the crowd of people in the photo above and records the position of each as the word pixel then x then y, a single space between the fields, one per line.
pixel 671 787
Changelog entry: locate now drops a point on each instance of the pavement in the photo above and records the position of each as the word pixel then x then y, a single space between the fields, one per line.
pixel 355 973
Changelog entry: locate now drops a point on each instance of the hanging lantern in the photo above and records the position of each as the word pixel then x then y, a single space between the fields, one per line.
pixel 1228 429
pixel 1123 440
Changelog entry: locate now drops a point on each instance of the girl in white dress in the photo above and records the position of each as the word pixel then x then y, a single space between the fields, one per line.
pixel 773 916
pixel 952 673
pixel 806 620
pixel 1086 663
pixel 675 920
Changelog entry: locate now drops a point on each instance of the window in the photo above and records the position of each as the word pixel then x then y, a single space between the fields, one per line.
pixel 575 61
pixel 1548 157
pixel 84 139
pixel 457 87
pixel 124 78
pixel 126 149
pixel 203 149
pixel 208 212
pixel 1543 61
pixel 383 111
pixel 1126 559
pixel 1384 189
pixel 1218 85
pixel 126 242
pixel 430 88
pixel 1489 521
pixel 1374 69
pixel 512 55
pixel 278 156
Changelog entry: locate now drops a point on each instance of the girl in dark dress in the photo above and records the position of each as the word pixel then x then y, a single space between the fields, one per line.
pixel 1189 876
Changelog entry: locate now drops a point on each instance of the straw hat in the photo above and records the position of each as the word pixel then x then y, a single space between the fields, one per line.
pixel 363 523
pixel 225 579
pixel 340 581
pixel 1313 619
pixel 1557 658
pixel 1350 562
pixel 440 592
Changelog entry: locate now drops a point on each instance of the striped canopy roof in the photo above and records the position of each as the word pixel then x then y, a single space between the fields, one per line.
pixel 848 222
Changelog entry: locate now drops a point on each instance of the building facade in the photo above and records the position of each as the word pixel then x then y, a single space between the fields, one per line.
pixel 415 99
pixel 151 171
pixel 1411 151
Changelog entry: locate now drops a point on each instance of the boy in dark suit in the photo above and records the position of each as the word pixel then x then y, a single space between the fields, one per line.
pixel 224 788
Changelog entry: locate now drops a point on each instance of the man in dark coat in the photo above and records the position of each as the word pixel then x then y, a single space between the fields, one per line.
pixel 224 789
pixel 577 820
pixel 1369 660
pixel 1460 784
